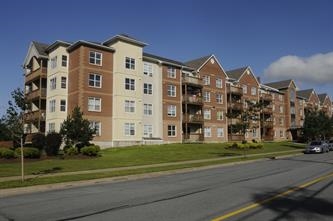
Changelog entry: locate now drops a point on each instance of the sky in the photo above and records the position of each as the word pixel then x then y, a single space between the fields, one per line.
pixel 279 40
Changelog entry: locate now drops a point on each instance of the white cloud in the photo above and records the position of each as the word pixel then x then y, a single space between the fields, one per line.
pixel 316 69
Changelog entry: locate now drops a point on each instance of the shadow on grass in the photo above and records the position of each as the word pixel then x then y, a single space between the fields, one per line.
pixel 302 205
pixel 295 146
pixel 226 154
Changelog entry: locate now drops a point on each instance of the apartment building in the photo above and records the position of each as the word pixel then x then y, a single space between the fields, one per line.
pixel 132 97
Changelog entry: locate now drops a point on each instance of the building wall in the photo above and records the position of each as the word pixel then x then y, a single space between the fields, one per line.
pixel 279 122
pixel 155 120
pixel 58 93
pixel 120 94
pixel 79 90
pixel 212 69
pixel 169 100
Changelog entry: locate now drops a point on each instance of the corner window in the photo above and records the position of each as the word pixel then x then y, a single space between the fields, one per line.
pixel 129 63
pixel 53 83
pixel 54 62
pixel 147 88
pixel 208 132
pixel 172 110
pixel 148 69
pixel 171 91
pixel 63 82
pixel 95 58
pixel 95 80
pixel 129 84
pixel 206 96
pixel 148 130
pixel 219 83
pixel 94 104
pixel 171 130
pixel 96 125
pixel 52 106
pixel 64 60
pixel 62 105
pixel 171 72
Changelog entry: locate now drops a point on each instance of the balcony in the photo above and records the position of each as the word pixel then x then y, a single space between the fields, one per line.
pixel 268 124
pixel 41 72
pixel 36 94
pixel 35 115
pixel 266 97
pixel 235 106
pixel 267 110
pixel 193 137
pixel 192 99
pixel 193 118
pixel 192 80
pixel 234 90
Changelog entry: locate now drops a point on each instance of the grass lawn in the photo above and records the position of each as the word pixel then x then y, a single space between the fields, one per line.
pixel 138 155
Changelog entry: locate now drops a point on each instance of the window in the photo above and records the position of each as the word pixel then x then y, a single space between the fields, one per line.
pixel 171 130
pixel 64 60
pixel 281 121
pixel 129 106
pixel 172 110
pixel 254 132
pixel 281 109
pixel 292 110
pixel 129 63
pixel 148 69
pixel 219 98
pixel 207 114
pixel 148 130
pixel 147 88
pixel 129 129
pixel 63 105
pixel 94 104
pixel 96 125
pixel 253 91
pixel 206 96
pixel 244 89
pixel 171 90
pixel 171 72
pixel 220 132
pixel 281 133
pixel 63 82
pixel 52 104
pixel 206 80
pixel 95 80
pixel 208 132
pixel 148 109
pixel 95 58
pixel 129 84
pixel 219 83
pixel 280 97
pixel 219 115
pixel 54 62
pixel 51 127
pixel 53 83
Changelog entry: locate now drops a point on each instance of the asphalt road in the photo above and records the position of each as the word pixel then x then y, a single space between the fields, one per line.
pixel 297 188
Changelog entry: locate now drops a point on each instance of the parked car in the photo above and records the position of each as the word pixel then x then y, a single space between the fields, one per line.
pixel 317 147
pixel 330 145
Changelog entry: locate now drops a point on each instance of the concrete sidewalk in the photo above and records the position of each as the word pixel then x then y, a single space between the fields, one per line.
pixel 3 179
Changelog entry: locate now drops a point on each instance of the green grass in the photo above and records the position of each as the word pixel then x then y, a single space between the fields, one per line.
pixel 78 177
pixel 138 155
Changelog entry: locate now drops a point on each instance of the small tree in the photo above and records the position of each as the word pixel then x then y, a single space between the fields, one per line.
pixel 52 143
pixel 38 141
pixel 75 129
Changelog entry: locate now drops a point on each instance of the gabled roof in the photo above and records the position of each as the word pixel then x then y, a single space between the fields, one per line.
pixel 197 63
pixel 164 60
pixel 89 44
pixel 56 44
pixel 322 97
pixel 280 84
pixel 305 93
pixel 125 38
pixel 236 73
pixel 41 48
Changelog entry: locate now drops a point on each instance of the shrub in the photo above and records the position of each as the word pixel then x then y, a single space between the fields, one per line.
pixel 92 150
pixel 38 141
pixel 254 141
pixel 7 153
pixel 53 143
pixel 244 141
pixel 256 146
pixel 28 152
pixel 71 151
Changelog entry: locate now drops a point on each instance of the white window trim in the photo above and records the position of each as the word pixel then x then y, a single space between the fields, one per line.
pixel 95 59
pixel 100 82
pixel 100 106
pixel 174 130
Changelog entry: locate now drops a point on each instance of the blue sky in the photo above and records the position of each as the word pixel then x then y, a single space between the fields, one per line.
pixel 278 39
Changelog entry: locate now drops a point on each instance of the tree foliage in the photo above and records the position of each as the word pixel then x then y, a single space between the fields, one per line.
pixel 317 125
pixel 75 129
pixel 12 120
